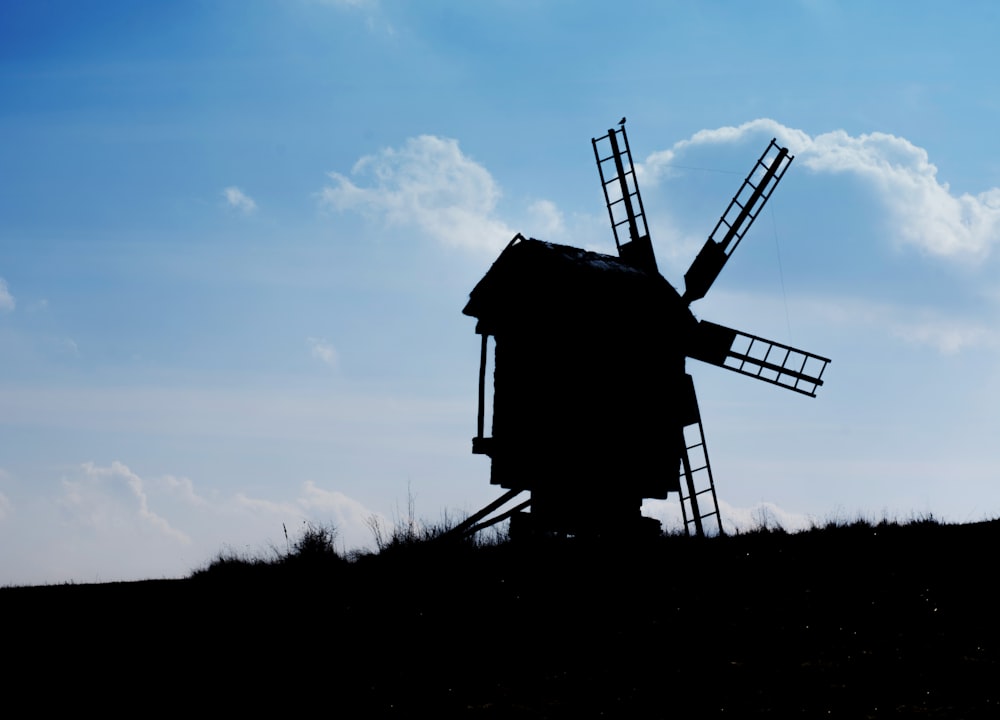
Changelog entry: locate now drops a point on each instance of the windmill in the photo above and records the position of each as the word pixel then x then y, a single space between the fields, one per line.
pixel 592 407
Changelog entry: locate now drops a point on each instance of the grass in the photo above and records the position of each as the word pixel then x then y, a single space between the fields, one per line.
pixel 410 547
pixel 851 618
pixel 315 548
pixel 313 551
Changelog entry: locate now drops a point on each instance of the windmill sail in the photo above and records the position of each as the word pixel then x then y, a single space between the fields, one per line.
pixel 696 485
pixel 621 195
pixel 736 221
pixel 757 357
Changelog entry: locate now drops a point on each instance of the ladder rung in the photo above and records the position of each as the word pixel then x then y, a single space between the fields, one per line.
pixel 612 157
pixel 617 181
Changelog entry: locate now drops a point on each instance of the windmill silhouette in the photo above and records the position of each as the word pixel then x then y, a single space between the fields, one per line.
pixel 592 408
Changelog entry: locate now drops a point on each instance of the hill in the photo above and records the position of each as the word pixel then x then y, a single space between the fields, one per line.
pixel 845 621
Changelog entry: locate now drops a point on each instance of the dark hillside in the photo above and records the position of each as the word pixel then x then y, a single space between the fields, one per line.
pixel 850 621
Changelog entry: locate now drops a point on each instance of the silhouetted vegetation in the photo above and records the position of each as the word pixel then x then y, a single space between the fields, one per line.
pixel 848 619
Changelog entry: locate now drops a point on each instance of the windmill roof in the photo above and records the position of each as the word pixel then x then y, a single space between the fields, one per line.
pixel 535 277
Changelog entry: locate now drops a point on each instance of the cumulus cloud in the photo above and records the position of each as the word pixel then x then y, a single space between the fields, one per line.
pixel 105 522
pixel 345 511
pixel 734 519
pixel 183 488
pixel 546 219
pixel 923 210
pixel 948 337
pixel 948 333
pixel 80 496
pixel 6 299
pixel 323 351
pixel 428 184
pixel 238 200
pixel 312 503
pixel 316 504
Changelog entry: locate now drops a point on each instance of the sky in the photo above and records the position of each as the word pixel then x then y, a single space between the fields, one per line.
pixel 236 237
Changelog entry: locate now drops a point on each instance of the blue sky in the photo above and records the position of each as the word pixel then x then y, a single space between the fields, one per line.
pixel 236 238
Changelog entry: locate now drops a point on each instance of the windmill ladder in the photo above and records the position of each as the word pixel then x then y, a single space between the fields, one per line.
pixel 697 486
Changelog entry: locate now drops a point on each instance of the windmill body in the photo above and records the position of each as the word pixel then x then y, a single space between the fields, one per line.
pixel 592 408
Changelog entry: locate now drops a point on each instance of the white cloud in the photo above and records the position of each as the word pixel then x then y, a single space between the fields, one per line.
pixel 546 219
pixel 6 299
pixel 105 522
pixel 314 504
pixel 761 515
pixel 947 336
pixel 946 333
pixel 238 200
pixel 922 210
pixel 183 488
pixel 344 511
pixel 734 519
pixel 282 507
pixel 82 497
pixel 428 184
pixel 323 351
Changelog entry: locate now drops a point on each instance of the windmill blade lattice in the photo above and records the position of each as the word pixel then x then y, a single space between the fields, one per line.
pixel 766 360
pixel 621 195
pixel 736 220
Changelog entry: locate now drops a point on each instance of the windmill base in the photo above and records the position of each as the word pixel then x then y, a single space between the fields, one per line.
pixel 535 525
